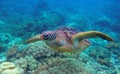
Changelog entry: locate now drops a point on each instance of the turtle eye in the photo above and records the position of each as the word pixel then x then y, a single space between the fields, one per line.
pixel 50 36
pixel 45 35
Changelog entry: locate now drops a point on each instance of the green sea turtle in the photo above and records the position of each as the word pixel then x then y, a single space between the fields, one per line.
pixel 67 39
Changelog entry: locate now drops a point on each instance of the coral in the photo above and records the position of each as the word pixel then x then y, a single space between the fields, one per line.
pixel 22 63
pixel 6 65
pixel 34 54
pixel 28 63
pixel 101 55
pixel 104 61
pixel 62 66
pixel 7 41
pixel 113 45
pixel 11 52
pixel 15 42
pixel 9 68
pixel 99 52
pixel 114 48
pixel 32 63
pixel 40 58
pixel 5 38
pixel 38 50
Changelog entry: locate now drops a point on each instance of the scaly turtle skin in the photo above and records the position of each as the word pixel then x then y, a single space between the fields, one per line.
pixel 68 40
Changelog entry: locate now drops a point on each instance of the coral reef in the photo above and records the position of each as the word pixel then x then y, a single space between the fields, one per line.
pixel 114 48
pixel 35 54
pixel 102 57
pixel 11 52
pixel 7 41
pixel 62 66
pixel 28 63
pixel 38 58
pixel 9 68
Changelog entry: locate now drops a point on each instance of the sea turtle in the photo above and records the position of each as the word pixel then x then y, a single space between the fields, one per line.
pixel 67 39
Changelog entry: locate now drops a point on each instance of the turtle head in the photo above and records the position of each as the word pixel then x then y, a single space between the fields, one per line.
pixel 48 35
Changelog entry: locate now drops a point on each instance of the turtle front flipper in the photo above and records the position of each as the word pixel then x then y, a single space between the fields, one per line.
pixel 34 39
pixel 91 34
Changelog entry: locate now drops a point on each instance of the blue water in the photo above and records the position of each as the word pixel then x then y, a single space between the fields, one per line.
pixel 23 19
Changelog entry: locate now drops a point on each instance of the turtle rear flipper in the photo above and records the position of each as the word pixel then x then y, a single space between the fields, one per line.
pixel 91 34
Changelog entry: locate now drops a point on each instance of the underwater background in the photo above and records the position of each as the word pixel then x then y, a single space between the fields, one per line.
pixel 23 19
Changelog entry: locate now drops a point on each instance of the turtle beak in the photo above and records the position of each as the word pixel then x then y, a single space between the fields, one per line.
pixel 41 37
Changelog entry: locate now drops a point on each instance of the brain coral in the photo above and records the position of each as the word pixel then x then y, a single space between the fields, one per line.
pixel 9 68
